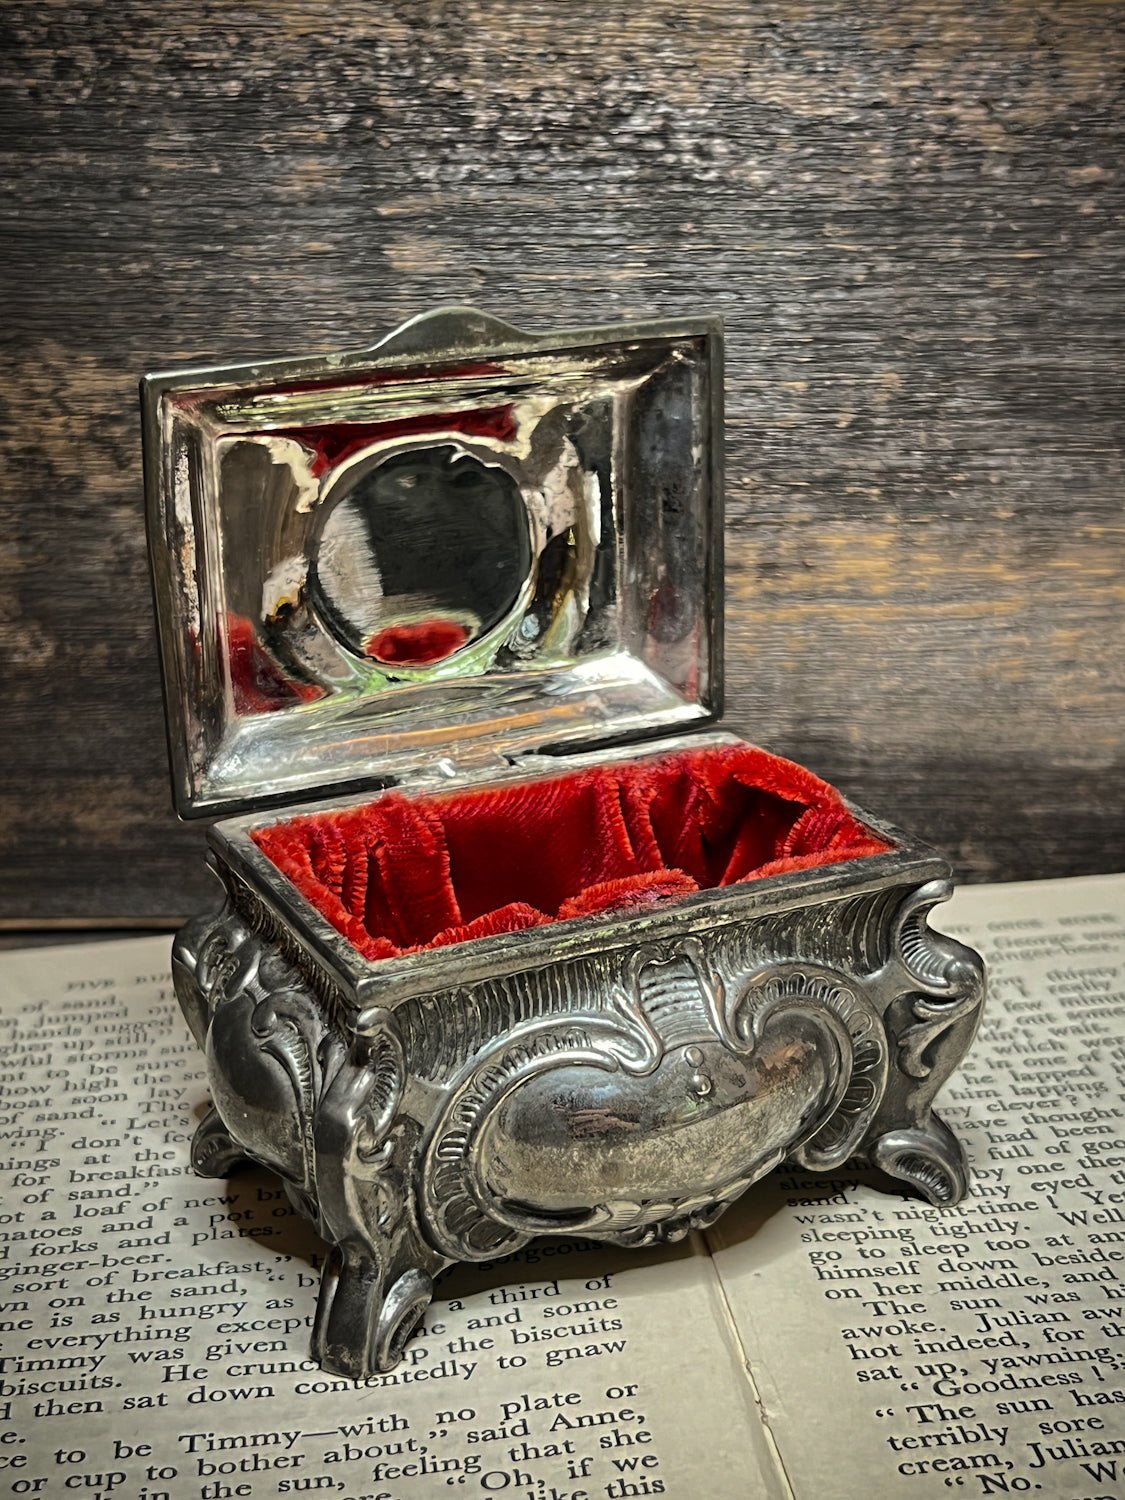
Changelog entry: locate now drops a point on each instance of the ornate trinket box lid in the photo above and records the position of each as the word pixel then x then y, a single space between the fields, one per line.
pixel 463 546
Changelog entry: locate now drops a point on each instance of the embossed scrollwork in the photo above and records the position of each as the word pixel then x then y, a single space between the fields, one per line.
pixel 948 975
pixel 931 1023
pixel 460 1218
pixel 260 1031
pixel 529 1140
pixel 929 1158
pixel 321 1108
pixel 354 1139
pixel 851 1021
pixel 629 1095
pixel 633 1224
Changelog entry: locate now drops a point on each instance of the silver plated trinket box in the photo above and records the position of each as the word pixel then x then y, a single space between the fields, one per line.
pixel 513 943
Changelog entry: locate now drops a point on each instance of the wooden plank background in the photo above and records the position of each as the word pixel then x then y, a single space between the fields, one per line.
pixel 910 215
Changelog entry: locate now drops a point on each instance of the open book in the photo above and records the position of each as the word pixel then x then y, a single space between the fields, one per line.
pixel 830 1337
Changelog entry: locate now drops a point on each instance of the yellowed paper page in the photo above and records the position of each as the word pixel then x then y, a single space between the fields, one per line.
pixel 909 1351
pixel 154 1325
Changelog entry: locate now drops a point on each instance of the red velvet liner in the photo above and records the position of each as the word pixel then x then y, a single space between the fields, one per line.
pixel 404 874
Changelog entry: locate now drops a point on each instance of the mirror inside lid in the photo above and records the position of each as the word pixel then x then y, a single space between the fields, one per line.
pixel 469 542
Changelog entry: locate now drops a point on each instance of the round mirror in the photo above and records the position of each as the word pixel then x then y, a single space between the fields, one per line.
pixel 421 555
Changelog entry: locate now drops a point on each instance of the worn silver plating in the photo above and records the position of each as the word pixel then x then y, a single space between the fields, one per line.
pixel 625 1075
pixel 627 1095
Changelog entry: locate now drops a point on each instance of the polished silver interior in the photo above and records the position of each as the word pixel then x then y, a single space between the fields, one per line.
pixel 468 542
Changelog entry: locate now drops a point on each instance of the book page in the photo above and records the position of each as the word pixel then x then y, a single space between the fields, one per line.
pixel 154 1325
pixel 904 1350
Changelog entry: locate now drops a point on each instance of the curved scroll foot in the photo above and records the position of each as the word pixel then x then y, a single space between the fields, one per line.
pixel 214 1151
pixel 360 1327
pixel 402 1311
pixel 927 1157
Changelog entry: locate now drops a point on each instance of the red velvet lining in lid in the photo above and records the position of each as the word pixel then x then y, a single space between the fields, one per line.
pixel 402 874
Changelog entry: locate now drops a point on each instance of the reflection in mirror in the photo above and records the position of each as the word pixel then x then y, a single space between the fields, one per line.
pixel 423 554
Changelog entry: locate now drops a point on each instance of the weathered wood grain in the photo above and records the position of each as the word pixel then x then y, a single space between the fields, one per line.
pixel 910 215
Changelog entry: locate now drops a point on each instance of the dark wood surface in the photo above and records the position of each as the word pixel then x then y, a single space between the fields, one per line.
pixel 910 215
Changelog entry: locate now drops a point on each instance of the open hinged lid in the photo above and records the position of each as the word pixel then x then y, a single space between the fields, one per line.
pixel 467 544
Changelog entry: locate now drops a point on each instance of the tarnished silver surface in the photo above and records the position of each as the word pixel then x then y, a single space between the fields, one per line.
pixel 625 1092
pixel 548 511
